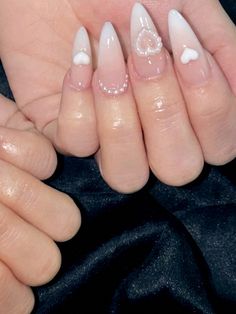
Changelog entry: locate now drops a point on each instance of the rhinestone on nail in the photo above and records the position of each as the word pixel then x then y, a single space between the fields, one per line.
pixel 150 37
pixel 114 90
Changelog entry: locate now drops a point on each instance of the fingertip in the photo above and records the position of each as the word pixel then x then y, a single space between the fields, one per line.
pixel 127 183
pixel 46 269
pixel 181 173
pixel 69 224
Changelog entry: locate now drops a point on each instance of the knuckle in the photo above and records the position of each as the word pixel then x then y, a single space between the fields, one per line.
pixel 120 131
pixel 189 168
pixel 216 111
pixel 26 194
pixel 163 109
pixel 40 156
pixel 9 233
pixel 222 156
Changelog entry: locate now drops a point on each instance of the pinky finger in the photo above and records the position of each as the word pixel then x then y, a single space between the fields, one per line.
pixel 76 130
pixel 15 297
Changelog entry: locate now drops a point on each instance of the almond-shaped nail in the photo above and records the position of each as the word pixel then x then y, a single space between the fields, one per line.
pixel 190 58
pixel 148 55
pixel 81 68
pixel 112 73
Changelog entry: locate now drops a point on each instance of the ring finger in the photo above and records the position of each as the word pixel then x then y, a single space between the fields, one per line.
pixel 173 150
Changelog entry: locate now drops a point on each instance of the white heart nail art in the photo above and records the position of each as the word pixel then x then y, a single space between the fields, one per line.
pixel 189 55
pixel 148 43
pixel 81 58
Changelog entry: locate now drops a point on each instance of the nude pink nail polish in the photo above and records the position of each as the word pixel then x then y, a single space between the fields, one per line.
pixel 189 55
pixel 81 68
pixel 112 74
pixel 148 55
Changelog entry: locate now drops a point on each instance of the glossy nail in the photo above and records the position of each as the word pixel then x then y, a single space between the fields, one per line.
pixel 148 55
pixel 81 68
pixel 190 57
pixel 112 74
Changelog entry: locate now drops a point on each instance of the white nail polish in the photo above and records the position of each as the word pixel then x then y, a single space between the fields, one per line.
pixel 179 26
pixel 81 51
pixel 81 67
pixel 189 55
pixel 145 39
pixel 148 55
pixel 81 58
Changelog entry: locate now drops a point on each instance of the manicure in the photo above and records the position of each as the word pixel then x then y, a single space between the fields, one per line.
pixel 190 58
pixel 81 68
pixel 112 73
pixel 148 55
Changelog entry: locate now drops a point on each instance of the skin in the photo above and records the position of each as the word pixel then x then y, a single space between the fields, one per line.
pixel 28 253
pixel 40 59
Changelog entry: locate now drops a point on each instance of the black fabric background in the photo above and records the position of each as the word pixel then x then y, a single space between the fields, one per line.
pixel 162 250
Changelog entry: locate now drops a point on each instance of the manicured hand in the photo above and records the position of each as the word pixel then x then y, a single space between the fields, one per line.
pixel 182 127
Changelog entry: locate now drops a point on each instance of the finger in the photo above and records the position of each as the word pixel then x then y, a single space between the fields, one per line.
pixel 21 244
pixel 212 25
pixel 76 132
pixel 15 297
pixel 211 104
pixel 29 151
pixel 173 150
pixel 123 158
pixel 21 145
pixel 217 32
pixel 38 204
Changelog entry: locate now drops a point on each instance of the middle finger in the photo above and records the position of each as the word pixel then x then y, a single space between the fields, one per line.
pixel 123 160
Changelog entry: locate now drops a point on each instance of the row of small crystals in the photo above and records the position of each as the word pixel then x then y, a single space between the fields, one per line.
pixel 115 91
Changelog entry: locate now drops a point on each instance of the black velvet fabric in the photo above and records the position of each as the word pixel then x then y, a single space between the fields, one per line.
pixel 162 250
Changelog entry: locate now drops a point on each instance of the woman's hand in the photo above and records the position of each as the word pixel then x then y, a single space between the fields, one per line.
pixel 190 124
pixel 28 253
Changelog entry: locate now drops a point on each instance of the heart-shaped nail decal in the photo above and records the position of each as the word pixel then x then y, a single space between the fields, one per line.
pixel 148 43
pixel 189 55
pixel 81 58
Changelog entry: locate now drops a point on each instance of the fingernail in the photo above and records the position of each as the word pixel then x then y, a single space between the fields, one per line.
pixel 112 74
pixel 81 68
pixel 190 57
pixel 148 55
